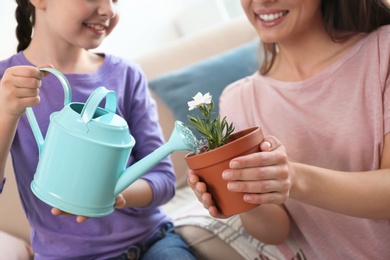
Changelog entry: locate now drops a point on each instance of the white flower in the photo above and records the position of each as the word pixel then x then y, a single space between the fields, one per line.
pixel 199 100
pixel 215 130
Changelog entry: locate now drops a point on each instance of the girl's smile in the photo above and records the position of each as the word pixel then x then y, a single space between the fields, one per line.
pixel 96 28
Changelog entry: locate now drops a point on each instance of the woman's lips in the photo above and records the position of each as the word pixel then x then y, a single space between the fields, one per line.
pixel 271 19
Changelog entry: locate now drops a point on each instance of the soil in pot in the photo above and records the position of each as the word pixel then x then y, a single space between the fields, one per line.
pixel 210 165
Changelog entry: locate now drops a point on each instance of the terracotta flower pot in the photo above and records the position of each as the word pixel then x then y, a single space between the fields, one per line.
pixel 210 165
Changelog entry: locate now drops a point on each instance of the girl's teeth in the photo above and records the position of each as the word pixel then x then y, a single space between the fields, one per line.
pixel 96 27
pixel 270 17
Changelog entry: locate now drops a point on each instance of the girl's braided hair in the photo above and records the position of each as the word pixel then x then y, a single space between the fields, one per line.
pixel 25 17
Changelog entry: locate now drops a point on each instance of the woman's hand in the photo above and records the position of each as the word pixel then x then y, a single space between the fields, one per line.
pixel 264 177
pixel 120 202
pixel 203 196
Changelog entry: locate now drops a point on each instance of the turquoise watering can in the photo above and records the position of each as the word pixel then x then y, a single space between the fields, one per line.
pixel 83 158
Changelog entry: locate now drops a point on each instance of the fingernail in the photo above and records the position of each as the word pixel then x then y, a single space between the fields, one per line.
pixel 234 164
pixel 227 175
pixel 267 145
pixel 248 197
pixel 232 186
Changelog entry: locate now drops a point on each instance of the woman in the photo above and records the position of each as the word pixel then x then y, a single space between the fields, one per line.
pixel 322 99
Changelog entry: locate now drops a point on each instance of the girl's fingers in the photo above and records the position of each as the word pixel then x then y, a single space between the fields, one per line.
pixel 81 219
pixel 58 212
pixel 120 202
pixel 48 65
pixel 25 72
pixel 45 73
pixel 27 83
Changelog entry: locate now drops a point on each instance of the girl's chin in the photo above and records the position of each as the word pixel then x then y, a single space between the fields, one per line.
pixel 92 45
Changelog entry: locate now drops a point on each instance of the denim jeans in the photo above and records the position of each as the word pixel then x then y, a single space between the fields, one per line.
pixel 162 246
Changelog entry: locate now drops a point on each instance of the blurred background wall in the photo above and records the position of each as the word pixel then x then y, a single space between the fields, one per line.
pixel 145 24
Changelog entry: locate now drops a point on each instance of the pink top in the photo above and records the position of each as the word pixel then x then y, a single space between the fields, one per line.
pixel 336 119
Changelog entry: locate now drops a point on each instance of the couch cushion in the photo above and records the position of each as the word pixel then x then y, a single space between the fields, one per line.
pixel 212 75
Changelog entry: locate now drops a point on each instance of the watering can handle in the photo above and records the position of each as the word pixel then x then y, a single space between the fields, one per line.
pixel 95 99
pixel 30 114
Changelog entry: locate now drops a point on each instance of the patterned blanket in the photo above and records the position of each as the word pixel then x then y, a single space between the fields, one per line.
pixel 187 210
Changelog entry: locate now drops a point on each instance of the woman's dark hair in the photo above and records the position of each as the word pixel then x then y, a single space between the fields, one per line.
pixel 367 16
pixel 25 17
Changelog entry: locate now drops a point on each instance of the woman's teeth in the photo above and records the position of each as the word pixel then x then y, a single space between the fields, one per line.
pixel 271 17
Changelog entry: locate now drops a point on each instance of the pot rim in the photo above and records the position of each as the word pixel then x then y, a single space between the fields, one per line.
pixel 251 132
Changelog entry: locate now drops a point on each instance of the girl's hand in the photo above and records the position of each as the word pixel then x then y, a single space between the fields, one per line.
pixel 265 177
pixel 19 88
pixel 120 202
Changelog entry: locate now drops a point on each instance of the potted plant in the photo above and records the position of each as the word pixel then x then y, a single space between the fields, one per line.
pixel 218 145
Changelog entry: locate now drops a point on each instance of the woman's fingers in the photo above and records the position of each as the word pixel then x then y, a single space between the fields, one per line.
pixel 260 159
pixel 266 198
pixel 270 143
pixel 195 185
pixel 200 190
pixel 264 177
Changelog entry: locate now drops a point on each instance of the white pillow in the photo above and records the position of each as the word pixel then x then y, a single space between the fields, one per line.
pixel 14 248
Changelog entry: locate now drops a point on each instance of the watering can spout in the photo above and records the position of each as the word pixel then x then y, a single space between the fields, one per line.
pixel 181 139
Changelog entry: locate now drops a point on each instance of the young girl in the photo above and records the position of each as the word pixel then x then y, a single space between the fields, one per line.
pixel 323 91
pixel 63 32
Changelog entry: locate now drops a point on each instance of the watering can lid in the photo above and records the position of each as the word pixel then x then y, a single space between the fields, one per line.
pixel 104 127
pixel 109 119
pixel 97 117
